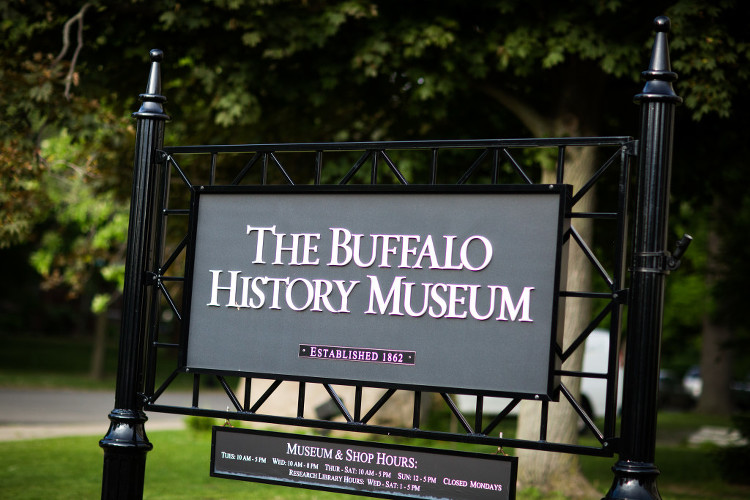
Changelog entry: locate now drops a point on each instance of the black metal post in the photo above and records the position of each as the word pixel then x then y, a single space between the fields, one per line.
pixel 635 472
pixel 125 445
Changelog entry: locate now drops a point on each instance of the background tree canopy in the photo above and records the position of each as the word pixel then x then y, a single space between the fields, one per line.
pixel 240 71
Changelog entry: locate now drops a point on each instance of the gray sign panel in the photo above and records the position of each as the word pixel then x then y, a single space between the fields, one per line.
pixel 381 470
pixel 449 290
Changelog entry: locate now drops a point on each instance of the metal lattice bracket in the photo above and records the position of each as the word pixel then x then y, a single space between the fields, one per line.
pixel 485 162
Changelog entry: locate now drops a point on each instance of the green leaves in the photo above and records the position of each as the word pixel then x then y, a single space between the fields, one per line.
pixel 268 70
pixel 711 53
pixel 418 38
pixel 86 239
pixel 236 107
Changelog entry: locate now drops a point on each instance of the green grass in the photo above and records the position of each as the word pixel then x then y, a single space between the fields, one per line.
pixel 178 466
pixel 686 474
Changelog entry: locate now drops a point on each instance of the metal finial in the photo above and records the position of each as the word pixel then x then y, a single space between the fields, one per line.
pixel 156 55
pixel 662 24
pixel 659 76
pixel 152 99
pixel 154 77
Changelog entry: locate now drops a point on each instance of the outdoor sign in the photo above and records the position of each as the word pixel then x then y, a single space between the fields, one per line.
pixel 388 471
pixel 452 289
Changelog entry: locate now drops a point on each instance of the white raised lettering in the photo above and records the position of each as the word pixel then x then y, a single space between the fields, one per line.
pixel 232 302
pixel 345 294
pixel 522 304
pixel 453 300
pixel 259 247
pixel 449 254
pixel 290 291
pixel 487 253
pixel 428 250
pixel 407 299
pixel 394 294
pixel 406 249
pixel 337 244
pixel 439 300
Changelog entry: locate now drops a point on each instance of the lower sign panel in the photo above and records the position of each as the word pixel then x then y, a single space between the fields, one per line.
pixel 379 470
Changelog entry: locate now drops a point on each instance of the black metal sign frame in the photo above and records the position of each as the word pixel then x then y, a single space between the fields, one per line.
pixel 494 162
pixel 155 275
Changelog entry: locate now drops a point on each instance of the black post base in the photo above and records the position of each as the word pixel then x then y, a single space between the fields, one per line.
pixel 125 447
pixel 634 481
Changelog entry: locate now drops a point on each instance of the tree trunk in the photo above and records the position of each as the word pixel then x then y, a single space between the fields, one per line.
pixel 716 358
pixel 99 350
pixel 558 471
pixel 581 90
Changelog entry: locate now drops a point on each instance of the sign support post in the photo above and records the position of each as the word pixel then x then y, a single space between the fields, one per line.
pixel 126 444
pixel 635 472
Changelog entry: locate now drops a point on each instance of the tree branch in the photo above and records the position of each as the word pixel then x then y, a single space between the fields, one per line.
pixel 537 124
pixel 66 45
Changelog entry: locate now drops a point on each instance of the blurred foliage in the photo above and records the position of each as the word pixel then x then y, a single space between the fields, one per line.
pixel 90 223
pixel 282 71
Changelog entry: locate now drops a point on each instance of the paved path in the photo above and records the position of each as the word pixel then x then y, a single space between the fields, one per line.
pixel 46 413
pixel 39 413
